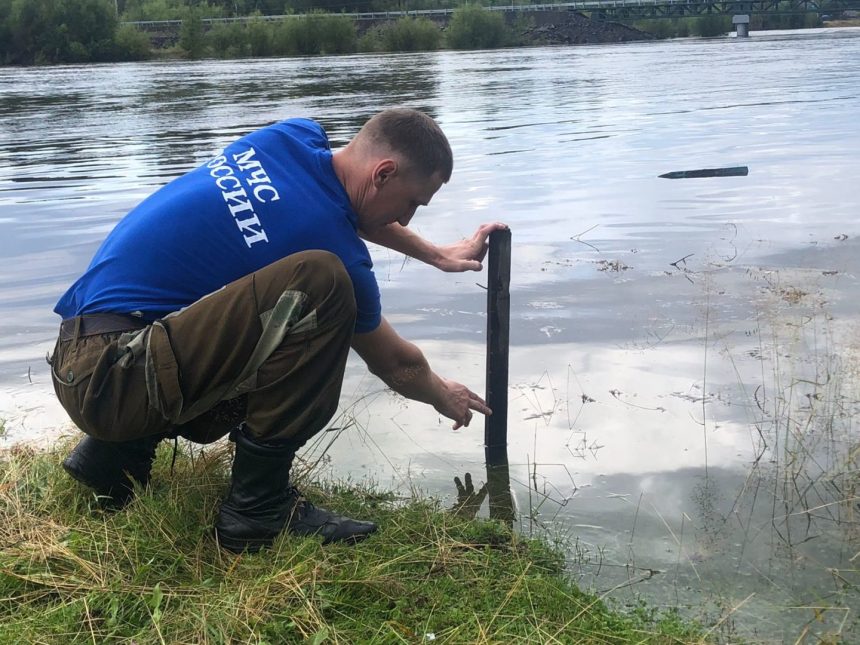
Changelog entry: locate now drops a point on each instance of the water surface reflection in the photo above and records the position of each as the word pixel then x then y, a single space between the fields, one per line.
pixel 683 386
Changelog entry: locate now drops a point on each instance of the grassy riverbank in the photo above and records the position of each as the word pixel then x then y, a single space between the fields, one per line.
pixel 71 573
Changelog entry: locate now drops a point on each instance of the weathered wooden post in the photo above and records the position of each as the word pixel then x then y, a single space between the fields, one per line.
pixel 499 490
pixel 498 341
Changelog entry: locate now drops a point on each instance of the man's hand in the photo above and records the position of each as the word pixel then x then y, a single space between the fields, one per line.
pixel 468 500
pixel 467 254
pixel 457 403
pixel 405 370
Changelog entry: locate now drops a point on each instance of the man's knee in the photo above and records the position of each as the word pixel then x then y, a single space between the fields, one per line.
pixel 322 276
pixel 326 267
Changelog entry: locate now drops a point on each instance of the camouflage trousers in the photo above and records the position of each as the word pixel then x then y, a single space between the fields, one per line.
pixel 269 349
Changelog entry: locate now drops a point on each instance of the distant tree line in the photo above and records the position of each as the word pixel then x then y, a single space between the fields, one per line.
pixel 66 31
pixel 72 31
pixel 76 31
pixel 470 27
pixel 134 10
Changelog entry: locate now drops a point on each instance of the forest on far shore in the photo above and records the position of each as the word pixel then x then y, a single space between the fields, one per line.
pixel 39 32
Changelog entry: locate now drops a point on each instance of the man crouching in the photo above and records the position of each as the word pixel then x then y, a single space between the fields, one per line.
pixel 227 302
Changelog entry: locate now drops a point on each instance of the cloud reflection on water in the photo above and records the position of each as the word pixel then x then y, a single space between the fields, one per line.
pixel 565 144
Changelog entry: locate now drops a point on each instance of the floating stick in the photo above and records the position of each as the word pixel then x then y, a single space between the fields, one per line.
pixel 737 171
pixel 498 343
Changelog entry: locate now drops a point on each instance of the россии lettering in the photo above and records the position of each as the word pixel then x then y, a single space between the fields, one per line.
pixel 237 198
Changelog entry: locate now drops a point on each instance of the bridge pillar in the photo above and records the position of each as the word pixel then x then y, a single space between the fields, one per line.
pixel 742 25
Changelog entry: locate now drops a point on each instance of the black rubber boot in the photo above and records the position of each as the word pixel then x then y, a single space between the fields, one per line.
pixel 261 503
pixel 112 468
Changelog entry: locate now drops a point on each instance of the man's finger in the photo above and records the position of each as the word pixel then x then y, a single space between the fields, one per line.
pixel 477 398
pixel 484 230
pixel 470 488
pixel 480 406
pixel 459 485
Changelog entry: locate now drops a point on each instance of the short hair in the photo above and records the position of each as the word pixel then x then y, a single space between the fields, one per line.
pixel 413 135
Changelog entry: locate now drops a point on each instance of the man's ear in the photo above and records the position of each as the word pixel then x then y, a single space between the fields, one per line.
pixel 384 171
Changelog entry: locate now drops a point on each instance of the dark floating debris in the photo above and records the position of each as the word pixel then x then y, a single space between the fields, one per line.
pixel 616 266
pixel 736 171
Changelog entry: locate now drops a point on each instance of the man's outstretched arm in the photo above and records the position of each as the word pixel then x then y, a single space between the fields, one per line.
pixel 403 367
pixel 465 255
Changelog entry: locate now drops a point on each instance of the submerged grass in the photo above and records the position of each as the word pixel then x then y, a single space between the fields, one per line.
pixel 798 385
pixel 72 573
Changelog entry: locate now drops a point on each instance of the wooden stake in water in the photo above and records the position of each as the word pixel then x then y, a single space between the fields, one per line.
pixel 498 342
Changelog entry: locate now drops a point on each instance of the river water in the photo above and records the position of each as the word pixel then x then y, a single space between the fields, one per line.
pixel 683 389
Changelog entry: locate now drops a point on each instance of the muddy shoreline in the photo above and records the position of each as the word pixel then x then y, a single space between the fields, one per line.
pixel 570 28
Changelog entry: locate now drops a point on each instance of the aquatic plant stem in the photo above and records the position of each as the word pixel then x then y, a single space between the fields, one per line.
pixel 705 377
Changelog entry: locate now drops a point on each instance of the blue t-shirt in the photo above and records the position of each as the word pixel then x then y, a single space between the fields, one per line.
pixel 272 193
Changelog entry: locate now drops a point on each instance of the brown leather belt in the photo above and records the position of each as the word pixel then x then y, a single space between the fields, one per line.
pixel 95 324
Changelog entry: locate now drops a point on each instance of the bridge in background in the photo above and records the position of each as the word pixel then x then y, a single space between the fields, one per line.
pixel 620 10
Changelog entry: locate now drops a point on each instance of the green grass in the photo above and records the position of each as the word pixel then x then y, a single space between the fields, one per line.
pixel 72 573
